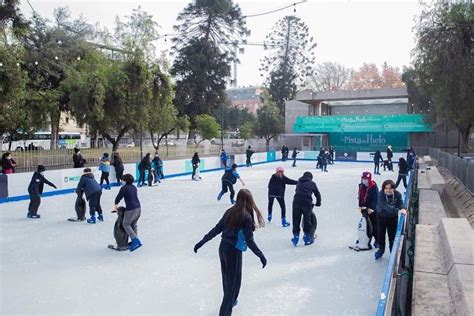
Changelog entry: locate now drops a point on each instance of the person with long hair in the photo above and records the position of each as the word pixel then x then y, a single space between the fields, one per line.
pixel 8 164
pixel 276 190
pixel 118 165
pixel 402 172
pixel 237 227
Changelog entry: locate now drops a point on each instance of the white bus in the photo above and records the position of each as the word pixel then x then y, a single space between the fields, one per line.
pixel 42 141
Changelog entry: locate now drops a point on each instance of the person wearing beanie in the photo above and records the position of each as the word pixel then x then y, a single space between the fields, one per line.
pixel 229 178
pixel 93 192
pixel 276 190
pixel 77 159
pixel 104 167
pixel 35 189
pixel 303 207
pixel 368 195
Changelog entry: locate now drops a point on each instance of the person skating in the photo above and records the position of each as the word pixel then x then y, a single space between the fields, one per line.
pixel 77 159
pixel 402 172
pixel 331 155
pixel 228 180
pixel 377 159
pixel 389 158
pixel 118 165
pixel 411 158
pixel 104 167
pixel 294 155
pixel 93 193
pixel 303 207
pixel 157 167
pixel 323 161
pixel 389 205
pixel 143 166
pixel 248 153
pixel 283 153
pixel 35 189
pixel 287 151
pixel 128 192
pixel 224 158
pixel 276 190
pixel 368 196
pixel 195 161
pixel 8 164
pixel 237 227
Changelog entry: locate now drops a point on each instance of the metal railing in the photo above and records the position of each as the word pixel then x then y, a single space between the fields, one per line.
pixel 460 167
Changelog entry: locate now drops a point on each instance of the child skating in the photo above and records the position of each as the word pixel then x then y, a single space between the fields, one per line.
pixel 228 180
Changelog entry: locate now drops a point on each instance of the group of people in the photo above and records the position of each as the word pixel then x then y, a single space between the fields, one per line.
pixel 152 167
pixel 325 157
pixel 404 165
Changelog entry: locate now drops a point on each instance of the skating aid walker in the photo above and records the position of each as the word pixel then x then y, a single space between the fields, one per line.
pixel 364 232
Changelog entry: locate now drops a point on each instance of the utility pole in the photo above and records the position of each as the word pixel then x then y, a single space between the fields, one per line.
pixel 222 125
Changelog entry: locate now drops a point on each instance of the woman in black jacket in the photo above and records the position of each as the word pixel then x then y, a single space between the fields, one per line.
pixel 402 172
pixel 35 189
pixel 144 165
pixel 276 189
pixel 118 165
pixel 195 161
pixel 237 226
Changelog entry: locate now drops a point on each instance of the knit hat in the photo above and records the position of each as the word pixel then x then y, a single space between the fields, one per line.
pixel 280 169
pixel 41 168
pixel 366 175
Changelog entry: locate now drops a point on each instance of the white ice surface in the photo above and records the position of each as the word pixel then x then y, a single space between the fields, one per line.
pixel 52 266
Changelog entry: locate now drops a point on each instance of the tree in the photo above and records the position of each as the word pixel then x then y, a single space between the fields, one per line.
pixel 369 77
pixel 51 49
pixel 290 59
pixel 12 21
pixel 329 76
pixel 208 31
pixel 207 126
pixel 162 114
pixel 443 62
pixel 247 130
pixel 270 122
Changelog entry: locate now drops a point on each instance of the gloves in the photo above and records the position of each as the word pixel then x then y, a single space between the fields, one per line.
pixel 263 260
pixel 54 186
pixel 197 246
pixel 370 211
pixel 318 204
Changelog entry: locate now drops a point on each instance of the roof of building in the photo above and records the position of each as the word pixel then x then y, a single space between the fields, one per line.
pixel 383 93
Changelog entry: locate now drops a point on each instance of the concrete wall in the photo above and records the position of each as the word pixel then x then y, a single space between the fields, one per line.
pixel 372 109
pixel 293 109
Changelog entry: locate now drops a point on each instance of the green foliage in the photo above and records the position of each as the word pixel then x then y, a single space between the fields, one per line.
pixel 269 120
pixel 247 130
pixel 289 60
pixel 12 21
pixel 207 126
pixel 443 62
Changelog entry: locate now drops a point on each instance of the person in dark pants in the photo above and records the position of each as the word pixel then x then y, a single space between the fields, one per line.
pixel 195 161
pixel 237 226
pixel 368 196
pixel 283 153
pixel 302 207
pixel 224 158
pixel 402 172
pixel 323 162
pixel 293 155
pixel 157 166
pixel 228 180
pixel 389 205
pixel 8 164
pixel 93 192
pixel 248 153
pixel 35 189
pixel 389 158
pixel 144 165
pixel 118 165
pixel 276 190
pixel 377 159
pixel 331 155
pixel 104 167
pixel 128 192
pixel 77 159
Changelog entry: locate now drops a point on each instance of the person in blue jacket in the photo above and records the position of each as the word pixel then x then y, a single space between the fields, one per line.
pixel 93 192
pixel 35 189
pixel 276 190
pixel 237 227
pixel 224 158
pixel 303 207
pixel 389 205
pixel 229 178
pixel 368 196
pixel 157 165
pixel 132 213
pixel 104 167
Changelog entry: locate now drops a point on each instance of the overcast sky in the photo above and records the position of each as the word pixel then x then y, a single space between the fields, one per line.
pixel 347 32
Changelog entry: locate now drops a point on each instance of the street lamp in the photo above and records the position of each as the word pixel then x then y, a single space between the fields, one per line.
pixel 222 123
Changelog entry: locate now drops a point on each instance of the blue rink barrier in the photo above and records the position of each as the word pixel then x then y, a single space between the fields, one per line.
pixel 387 282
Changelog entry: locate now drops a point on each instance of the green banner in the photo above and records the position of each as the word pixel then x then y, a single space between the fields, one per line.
pixel 368 141
pixel 397 123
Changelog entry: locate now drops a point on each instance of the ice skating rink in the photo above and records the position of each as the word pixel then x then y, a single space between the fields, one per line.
pixel 52 266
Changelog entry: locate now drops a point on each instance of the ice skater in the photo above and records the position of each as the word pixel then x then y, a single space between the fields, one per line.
pixel 35 189
pixel 276 190
pixel 143 166
pixel 248 153
pixel 132 212
pixel 402 172
pixel 157 166
pixel 237 227
pixel 77 159
pixel 228 180
pixel 303 207
pixel 377 160
pixel 389 205
pixel 118 165
pixel 195 161
pixel 294 155
pixel 93 192
pixel 104 167
pixel 224 158
pixel 368 195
